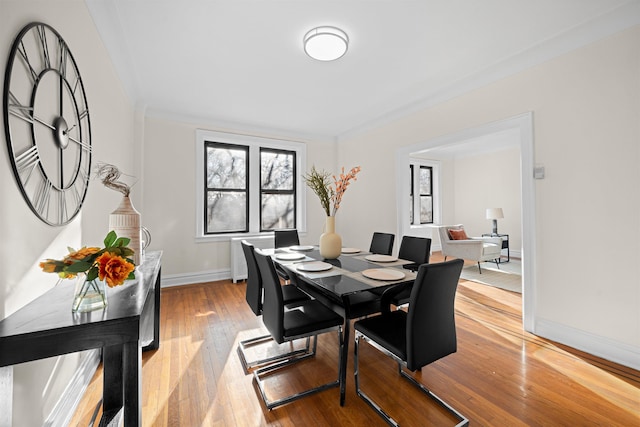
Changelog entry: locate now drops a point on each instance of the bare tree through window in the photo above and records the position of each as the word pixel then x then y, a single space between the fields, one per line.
pixel 277 189
pixel 226 188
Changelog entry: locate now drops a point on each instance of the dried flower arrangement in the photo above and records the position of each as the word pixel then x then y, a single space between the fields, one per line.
pixel 110 175
pixel 320 183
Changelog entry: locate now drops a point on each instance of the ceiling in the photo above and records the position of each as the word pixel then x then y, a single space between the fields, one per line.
pixel 240 63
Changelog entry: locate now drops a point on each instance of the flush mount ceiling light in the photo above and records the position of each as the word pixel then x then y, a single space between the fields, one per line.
pixel 326 43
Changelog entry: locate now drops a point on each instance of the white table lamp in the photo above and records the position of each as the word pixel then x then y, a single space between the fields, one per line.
pixel 495 214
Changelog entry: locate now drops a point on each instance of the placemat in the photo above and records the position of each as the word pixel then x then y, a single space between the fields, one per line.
pixel 408 275
pixel 399 262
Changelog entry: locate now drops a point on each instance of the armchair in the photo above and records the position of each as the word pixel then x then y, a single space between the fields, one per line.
pixel 477 249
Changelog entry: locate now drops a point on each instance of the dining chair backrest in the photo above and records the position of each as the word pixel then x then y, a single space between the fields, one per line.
pixel 253 294
pixel 416 249
pixel 382 243
pixel 431 327
pixel 273 305
pixel 285 238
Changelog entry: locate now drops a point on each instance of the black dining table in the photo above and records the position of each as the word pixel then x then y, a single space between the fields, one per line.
pixel 344 286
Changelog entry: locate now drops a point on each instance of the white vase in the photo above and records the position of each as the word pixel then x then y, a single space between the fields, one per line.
pixel 330 241
pixel 125 221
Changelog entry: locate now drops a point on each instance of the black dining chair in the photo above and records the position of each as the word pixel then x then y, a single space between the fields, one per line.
pixel 415 338
pixel 284 239
pixel 382 243
pixel 306 319
pixel 418 250
pixel 254 297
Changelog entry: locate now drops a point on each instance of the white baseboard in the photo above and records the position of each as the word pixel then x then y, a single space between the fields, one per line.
pixel 67 404
pixel 199 277
pixel 606 348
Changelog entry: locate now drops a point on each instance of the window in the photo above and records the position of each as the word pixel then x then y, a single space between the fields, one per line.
pixel 421 196
pixel 277 189
pixel 426 195
pixel 247 185
pixel 227 188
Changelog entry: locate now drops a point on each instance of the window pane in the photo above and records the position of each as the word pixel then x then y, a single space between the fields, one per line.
pixel 425 181
pixel 226 211
pixel 277 170
pixel 226 167
pixel 426 210
pixel 277 211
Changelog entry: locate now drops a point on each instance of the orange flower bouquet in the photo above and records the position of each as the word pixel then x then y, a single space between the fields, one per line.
pixel 111 265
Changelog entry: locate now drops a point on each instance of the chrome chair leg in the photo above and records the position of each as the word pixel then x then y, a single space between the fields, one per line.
pixel 248 365
pixel 463 421
pixel 263 372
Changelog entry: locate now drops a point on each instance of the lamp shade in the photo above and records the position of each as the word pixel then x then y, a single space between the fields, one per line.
pixel 494 213
pixel 326 43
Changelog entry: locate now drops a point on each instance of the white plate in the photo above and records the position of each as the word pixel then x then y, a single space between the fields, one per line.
pixel 289 257
pixel 383 274
pixel 301 248
pixel 350 250
pixel 315 266
pixel 380 258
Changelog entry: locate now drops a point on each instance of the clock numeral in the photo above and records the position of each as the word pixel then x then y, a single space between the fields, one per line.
pixel 27 162
pixel 63 54
pixel 18 110
pixel 25 58
pixel 43 196
pixel 42 36
pixel 63 215
pixel 77 197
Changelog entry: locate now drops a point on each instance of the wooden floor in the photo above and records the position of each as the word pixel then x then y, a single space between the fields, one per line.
pixel 500 375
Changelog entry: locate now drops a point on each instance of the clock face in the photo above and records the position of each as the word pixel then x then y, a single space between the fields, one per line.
pixel 47 126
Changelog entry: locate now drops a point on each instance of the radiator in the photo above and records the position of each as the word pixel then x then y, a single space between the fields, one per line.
pixel 238 263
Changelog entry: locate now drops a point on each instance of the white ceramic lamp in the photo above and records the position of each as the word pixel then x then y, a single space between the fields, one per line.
pixel 495 214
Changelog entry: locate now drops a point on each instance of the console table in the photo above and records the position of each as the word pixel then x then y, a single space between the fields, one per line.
pixel 46 327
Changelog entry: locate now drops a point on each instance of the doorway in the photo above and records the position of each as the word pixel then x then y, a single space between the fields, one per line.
pixel 521 128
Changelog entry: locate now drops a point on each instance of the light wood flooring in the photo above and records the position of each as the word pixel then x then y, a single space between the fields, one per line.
pixel 500 375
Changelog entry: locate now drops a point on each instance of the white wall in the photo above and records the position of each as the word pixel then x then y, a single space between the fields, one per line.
pixel 38 385
pixel 487 181
pixel 586 107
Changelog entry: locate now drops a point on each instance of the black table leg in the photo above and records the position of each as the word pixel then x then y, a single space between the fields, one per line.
pixel 345 348
pixel 132 387
pixel 112 384
pixel 343 360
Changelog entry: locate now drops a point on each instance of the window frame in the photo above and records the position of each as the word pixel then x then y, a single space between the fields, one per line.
pixel 414 190
pixel 207 189
pixel 253 163
pixel 292 191
pixel 420 194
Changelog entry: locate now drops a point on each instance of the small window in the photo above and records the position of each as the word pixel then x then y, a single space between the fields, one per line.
pixel 426 195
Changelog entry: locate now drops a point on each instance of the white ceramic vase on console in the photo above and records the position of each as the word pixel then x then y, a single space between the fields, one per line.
pixel 125 221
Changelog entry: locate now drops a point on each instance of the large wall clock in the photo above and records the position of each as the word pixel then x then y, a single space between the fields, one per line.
pixel 46 122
